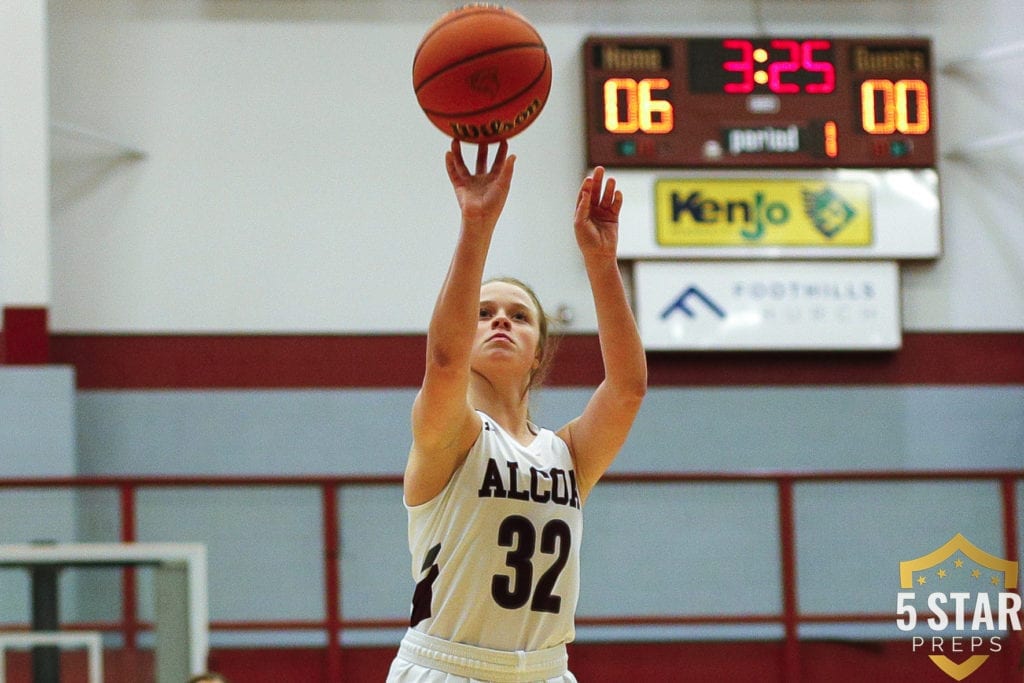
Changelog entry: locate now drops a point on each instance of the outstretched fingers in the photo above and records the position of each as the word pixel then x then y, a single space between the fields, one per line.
pixel 585 201
pixel 616 204
pixel 597 180
pixel 458 169
pixel 454 162
pixel 499 157
pixel 609 193
pixel 600 193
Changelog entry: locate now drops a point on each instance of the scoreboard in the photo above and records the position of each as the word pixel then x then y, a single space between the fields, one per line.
pixel 759 102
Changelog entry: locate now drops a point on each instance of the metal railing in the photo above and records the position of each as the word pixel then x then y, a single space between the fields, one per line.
pixel 335 622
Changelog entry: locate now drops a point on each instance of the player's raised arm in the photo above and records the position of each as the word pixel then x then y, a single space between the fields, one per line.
pixel 596 436
pixel 444 425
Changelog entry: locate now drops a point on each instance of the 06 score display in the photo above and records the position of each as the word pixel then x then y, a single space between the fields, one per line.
pixel 736 102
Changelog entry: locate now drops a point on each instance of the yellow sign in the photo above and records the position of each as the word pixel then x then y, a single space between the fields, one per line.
pixel 972 601
pixel 725 213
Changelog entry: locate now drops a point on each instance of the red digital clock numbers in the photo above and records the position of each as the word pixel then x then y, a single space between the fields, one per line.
pixel 756 66
pixel 759 102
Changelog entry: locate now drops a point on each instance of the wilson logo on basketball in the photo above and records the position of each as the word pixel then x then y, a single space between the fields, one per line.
pixel 496 128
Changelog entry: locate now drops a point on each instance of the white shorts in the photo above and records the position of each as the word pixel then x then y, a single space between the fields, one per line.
pixel 425 659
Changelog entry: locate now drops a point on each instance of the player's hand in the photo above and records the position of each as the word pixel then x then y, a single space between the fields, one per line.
pixel 481 193
pixel 597 216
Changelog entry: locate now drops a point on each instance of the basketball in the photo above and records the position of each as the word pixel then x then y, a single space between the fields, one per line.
pixel 481 73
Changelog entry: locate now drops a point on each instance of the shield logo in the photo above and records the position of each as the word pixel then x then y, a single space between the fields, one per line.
pixel 828 211
pixel 956 565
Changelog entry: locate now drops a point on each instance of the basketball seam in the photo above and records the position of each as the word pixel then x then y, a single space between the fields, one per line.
pixel 478 55
pixel 457 16
pixel 496 105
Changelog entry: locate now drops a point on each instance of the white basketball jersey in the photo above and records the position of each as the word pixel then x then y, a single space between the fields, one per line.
pixel 496 554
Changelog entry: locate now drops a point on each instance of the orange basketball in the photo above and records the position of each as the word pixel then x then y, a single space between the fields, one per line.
pixel 482 73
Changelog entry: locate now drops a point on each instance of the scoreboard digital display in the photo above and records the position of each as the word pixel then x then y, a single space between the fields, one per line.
pixel 760 102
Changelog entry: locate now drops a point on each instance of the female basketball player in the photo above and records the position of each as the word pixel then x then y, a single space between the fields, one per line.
pixel 495 502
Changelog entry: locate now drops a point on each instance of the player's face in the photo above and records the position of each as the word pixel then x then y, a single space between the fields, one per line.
pixel 508 326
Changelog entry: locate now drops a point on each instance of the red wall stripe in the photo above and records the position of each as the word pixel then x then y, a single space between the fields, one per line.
pixel 24 339
pixel 109 361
